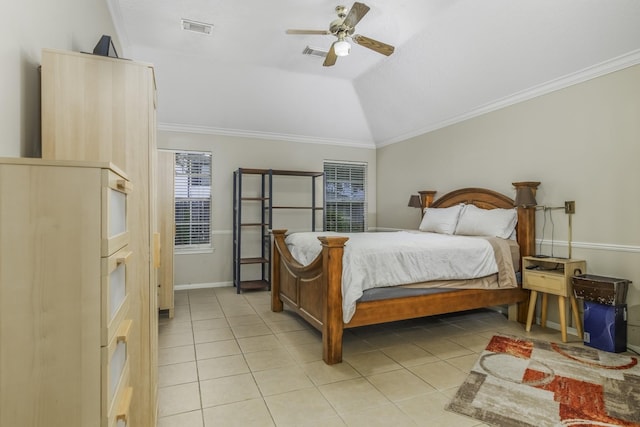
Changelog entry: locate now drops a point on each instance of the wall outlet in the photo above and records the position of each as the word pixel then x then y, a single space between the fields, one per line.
pixel 570 207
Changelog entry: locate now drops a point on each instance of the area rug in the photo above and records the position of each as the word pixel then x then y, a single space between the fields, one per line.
pixel 526 382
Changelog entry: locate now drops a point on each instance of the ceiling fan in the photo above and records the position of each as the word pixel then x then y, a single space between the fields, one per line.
pixel 343 28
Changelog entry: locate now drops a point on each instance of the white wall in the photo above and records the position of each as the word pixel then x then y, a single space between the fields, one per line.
pixel 231 153
pixel 582 143
pixel 27 27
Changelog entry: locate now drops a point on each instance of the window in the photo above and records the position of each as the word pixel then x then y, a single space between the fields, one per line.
pixel 346 196
pixel 193 200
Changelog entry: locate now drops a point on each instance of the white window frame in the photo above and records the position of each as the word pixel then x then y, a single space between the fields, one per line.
pixel 352 196
pixel 187 192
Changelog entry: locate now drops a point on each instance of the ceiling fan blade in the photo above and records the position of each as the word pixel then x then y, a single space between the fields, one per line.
pixel 383 48
pixel 318 32
pixel 356 13
pixel 331 57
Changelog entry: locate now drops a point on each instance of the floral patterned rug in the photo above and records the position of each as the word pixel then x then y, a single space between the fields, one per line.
pixel 527 382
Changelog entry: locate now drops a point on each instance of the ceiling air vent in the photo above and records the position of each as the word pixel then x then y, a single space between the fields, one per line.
pixel 196 27
pixel 314 52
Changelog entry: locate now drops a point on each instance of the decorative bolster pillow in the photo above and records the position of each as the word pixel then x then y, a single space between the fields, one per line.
pixel 474 221
pixel 440 220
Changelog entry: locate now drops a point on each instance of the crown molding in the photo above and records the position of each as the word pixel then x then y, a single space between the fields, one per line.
pixel 615 64
pixel 206 130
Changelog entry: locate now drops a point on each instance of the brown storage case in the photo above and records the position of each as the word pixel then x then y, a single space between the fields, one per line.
pixel 600 289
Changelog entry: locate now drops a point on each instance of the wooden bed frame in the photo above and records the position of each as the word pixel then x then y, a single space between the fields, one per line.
pixel 315 291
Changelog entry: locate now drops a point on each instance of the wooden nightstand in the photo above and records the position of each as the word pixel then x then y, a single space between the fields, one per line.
pixel 552 276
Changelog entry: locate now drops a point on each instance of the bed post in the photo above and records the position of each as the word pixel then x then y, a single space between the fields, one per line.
pixel 527 221
pixel 332 325
pixel 276 302
pixel 526 232
pixel 426 198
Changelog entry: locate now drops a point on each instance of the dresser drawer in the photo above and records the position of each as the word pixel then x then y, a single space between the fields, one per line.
pixel 545 282
pixel 115 367
pixel 114 212
pixel 115 294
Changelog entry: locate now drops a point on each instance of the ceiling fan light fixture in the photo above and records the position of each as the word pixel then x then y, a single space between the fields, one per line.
pixel 342 48
pixel 344 28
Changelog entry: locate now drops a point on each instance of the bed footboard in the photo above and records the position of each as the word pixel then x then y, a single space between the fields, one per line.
pixel 313 291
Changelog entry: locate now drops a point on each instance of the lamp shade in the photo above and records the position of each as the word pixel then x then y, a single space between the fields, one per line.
pixel 341 48
pixel 525 197
pixel 414 201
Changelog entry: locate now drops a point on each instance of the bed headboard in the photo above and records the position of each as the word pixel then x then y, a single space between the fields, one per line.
pixel 489 199
pixel 481 197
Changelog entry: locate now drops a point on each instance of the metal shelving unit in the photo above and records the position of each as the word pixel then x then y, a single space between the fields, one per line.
pixel 263 221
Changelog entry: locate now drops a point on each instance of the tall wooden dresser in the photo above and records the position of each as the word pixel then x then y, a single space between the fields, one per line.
pixel 102 109
pixel 65 294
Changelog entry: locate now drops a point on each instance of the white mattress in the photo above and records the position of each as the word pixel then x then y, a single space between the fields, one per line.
pixel 396 258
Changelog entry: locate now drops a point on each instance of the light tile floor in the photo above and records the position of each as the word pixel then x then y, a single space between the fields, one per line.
pixel 228 360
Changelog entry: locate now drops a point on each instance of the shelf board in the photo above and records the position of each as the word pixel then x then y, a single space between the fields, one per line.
pixel 253 224
pixel 254 199
pixel 256 260
pixel 550 272
pixel 296 207
pixel 296 173
pixel 280 172
pixel 253 284
pixel 251 171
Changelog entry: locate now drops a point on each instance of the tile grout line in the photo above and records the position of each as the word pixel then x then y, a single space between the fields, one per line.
pixel 195 355
pixel 262 396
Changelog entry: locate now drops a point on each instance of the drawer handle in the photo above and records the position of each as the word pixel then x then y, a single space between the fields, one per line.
pixel 123 185
pixel 123 331
pixel 124 405
pixel 123 259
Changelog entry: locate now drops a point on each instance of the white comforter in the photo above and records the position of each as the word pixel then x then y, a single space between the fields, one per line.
pixel 395 258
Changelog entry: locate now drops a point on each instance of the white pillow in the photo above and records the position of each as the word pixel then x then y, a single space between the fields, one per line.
pixel 475 221
pixel 440 220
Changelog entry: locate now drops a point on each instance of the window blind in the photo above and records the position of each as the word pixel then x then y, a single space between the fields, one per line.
pixel 193 200
pixel 346 196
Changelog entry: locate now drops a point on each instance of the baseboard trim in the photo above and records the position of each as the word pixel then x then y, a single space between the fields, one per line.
pixel 574 332
pixel 191 286
pixel 556 326
pixel 635 348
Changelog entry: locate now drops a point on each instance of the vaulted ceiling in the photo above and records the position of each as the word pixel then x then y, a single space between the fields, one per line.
pixel 453 59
